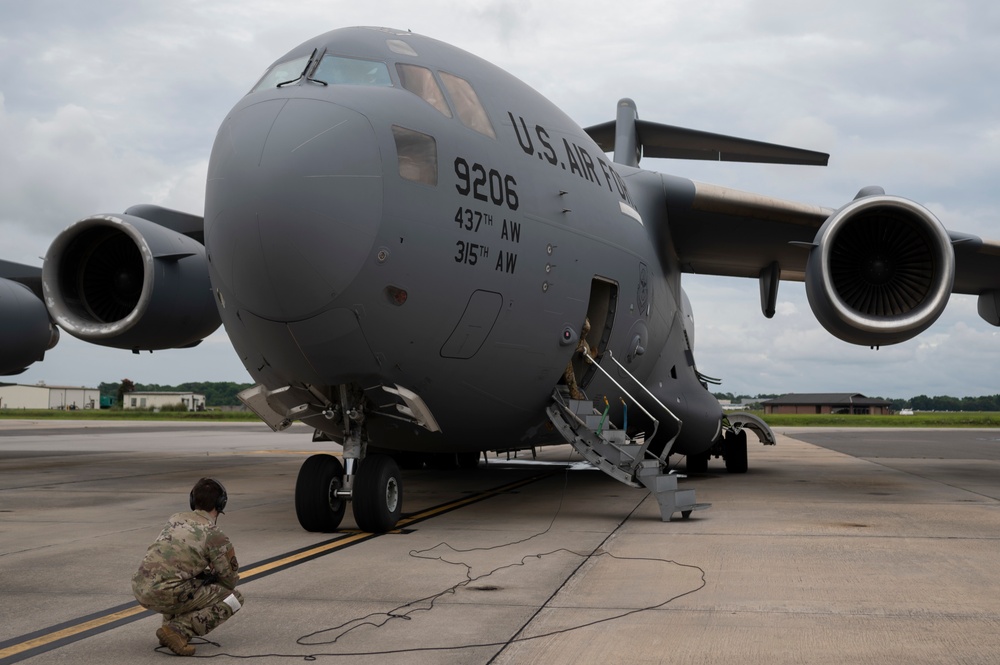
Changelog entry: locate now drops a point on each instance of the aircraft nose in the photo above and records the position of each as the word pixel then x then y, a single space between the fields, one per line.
pixel 293 204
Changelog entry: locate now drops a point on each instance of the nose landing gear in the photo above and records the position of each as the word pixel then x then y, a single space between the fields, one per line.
pixel 373 483
pixel 317 505
pixel 375 493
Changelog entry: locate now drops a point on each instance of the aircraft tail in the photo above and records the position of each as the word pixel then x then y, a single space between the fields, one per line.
pixel 631 139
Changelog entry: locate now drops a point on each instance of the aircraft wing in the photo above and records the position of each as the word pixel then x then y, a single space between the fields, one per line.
pixel 721 231
pixel 877 264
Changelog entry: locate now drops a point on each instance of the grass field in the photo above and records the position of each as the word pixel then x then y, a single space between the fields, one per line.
pixel 919 419
pixel 120 414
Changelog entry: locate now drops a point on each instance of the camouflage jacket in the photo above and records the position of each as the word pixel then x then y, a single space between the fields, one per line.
pixel 189 545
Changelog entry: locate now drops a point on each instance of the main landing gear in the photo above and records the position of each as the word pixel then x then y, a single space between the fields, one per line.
pixel 732 448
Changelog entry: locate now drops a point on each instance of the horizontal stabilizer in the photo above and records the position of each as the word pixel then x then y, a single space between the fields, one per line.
pixel 668 141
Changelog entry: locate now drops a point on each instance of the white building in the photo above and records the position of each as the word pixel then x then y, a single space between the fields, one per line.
pixel 159 400
pixel 41 396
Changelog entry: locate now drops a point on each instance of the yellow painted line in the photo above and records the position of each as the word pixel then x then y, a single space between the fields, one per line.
pixel 138 609
pixel 72 631
pixel 461 502
pixel 328 547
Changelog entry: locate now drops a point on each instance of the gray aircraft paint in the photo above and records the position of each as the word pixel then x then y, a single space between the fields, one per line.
pixel 325 197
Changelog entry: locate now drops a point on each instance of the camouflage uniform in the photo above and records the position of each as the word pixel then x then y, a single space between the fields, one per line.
pixel 189 575
pixel 583 348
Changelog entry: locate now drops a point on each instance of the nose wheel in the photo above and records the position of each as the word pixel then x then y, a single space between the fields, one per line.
pixel 376 492
pixel 317 505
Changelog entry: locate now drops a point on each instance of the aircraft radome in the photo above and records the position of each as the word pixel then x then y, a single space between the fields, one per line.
pixel 422 258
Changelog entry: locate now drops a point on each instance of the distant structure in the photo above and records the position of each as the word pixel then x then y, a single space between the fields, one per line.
pixel 727 405
pixel 41 396
pixel 158 400
pixel 813 403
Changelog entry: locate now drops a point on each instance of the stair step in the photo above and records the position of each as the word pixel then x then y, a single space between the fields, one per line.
pixel 612 452
pixel 660 482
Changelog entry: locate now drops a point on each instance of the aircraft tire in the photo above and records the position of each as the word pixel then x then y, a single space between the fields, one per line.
pixel 316 506
pixel 378 494
pixel 468 460
pixel 735 447
pixel 698 463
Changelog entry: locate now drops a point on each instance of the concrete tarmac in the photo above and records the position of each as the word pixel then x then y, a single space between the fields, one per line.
pixel 861 546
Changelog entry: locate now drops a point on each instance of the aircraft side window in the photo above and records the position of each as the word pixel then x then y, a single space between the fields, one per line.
pixel 467 105
pixel 420 81
pixel 283 72
pixel 417 155
pixel 338 70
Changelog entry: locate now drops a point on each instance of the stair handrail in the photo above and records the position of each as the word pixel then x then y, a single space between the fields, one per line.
pixel 656 423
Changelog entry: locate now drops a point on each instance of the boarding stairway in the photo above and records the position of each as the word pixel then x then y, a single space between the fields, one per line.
pixel 627 460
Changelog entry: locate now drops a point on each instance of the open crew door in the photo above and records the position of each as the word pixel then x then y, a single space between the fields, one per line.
pixel 601 316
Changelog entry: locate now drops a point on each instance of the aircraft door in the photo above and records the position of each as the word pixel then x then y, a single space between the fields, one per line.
pixel 601 315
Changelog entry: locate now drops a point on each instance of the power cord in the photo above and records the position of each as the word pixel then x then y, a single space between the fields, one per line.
pixel 405 611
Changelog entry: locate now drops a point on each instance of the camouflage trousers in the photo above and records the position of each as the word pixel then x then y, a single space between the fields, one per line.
pixel 192 609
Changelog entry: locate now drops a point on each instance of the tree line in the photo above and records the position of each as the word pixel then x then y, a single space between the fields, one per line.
pixel 217 393
pixel 223 393
pixel 918 403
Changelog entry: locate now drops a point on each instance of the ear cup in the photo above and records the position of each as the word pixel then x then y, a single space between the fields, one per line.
pixel 220 503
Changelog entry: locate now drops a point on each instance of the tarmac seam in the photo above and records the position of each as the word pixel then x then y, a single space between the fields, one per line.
pixel 548 600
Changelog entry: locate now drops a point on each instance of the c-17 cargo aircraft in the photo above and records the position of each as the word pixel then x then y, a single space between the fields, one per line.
pixel 420 257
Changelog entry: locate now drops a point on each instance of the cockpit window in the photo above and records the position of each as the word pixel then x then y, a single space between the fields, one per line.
pixel 470 110
pixel 338 70
pixel 283 72
pixel 417 155
pixel 420 81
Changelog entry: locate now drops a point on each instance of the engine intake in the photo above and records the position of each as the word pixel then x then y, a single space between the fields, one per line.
pixel 880 272
pixel 125 282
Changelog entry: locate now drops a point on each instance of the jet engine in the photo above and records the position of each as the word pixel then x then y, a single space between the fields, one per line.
pixel 126 282
pixel 880 270
pixel 26 332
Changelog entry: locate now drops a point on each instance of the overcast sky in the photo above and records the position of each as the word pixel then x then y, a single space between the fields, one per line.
pixel 108 103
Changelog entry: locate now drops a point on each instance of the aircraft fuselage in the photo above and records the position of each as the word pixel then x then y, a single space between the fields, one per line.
pixel 371 224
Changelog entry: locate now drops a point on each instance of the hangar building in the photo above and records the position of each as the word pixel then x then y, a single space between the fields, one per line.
pixel 158 400
pixel 41 396
pixel 813 403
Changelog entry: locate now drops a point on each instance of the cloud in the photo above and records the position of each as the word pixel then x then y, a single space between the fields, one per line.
pixel 103 105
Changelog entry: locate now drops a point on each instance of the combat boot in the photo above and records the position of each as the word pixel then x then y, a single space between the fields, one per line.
pixel 174 641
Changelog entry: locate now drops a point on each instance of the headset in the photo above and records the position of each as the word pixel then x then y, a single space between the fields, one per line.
pixel 220 503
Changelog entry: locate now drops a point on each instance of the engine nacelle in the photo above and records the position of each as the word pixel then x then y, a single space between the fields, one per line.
pixel 25 330
pixel 125 282
pixel 880 272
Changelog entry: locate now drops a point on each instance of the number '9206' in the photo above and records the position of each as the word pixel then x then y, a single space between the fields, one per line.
pixel 485 185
